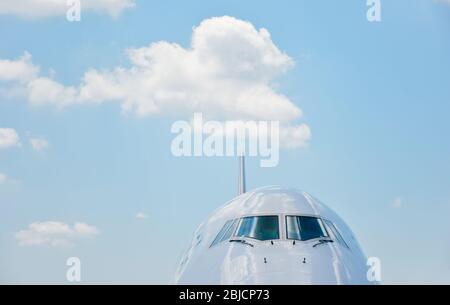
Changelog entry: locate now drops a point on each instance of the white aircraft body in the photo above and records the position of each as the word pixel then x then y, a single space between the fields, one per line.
pixel 273 235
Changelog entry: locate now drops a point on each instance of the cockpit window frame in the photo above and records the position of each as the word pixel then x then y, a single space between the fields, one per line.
pixel 337 235
pixel 281 233
pixel 232 224
pixel 280 229
pixel 322 224
pixel 339 239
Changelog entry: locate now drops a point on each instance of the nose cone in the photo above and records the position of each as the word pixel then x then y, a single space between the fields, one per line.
pixel 283 263
pixel 280 261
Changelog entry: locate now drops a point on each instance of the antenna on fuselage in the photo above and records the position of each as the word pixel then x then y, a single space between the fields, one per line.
pixel 241 179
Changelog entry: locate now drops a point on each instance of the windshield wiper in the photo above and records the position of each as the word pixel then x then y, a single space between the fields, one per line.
pixel 242 241
pixel 323 241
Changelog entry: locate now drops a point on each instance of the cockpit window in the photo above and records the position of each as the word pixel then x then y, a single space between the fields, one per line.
pixel 259 227
pixel 331 227
pixel 304 228
pixel 226 231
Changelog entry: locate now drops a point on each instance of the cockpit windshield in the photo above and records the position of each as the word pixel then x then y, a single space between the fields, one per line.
pixel 226 231
pixel 304 228
pixel 259 227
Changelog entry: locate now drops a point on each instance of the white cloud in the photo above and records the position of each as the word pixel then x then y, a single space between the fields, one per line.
pixel 46 8
pixel 397 203
pixel 227 74
pixel 3 178
pixel 20 70
pixel 39 144
pixel 8 138
pixel 295 136
pixel 54 233
pixel 83 229
pixel 141 215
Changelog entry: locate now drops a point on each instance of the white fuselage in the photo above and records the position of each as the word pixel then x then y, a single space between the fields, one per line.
pixel 273 235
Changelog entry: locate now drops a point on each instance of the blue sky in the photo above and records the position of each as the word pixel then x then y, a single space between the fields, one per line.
pixel 376 97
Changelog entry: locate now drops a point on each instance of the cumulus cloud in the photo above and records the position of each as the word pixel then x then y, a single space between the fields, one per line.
pixel 141 216
pixel 21 70
pixel 295 136
pixel 8 138
pixel 46 8
pixel 38 144
pixel 54 233
pixel 227 73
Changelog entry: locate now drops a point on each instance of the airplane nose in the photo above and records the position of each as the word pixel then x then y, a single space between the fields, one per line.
pixel 284 264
